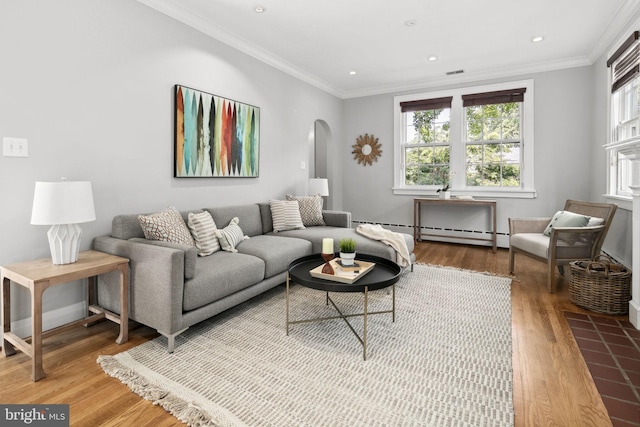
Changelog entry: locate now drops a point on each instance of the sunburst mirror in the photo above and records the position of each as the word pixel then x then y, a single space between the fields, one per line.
pixel 366 150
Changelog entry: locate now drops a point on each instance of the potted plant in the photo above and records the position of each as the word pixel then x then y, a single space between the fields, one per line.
pixel 347 248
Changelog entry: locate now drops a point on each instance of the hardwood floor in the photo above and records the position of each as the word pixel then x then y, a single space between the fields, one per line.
pixel 552 385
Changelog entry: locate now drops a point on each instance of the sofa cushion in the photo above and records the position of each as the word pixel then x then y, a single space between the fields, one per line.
pixel 167 226
pixel 249 216
pixel 230 236
pixel 203 230
pixel 310 209
pixel 364 244
pixel 220 275
pixel 285 215
pixel 276 251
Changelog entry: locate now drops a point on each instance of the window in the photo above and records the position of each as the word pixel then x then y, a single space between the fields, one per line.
pixel 476 140
pixel 427 140
pixel 624 109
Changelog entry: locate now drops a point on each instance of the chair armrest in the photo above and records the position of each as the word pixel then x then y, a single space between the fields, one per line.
pixel 527 225
pixel 337 218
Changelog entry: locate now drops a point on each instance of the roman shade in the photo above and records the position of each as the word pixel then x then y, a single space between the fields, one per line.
pixel 495 97
pixel 426 104
pixel 625 62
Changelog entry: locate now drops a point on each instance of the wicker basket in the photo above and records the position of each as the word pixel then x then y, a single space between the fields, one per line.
pixel 600 285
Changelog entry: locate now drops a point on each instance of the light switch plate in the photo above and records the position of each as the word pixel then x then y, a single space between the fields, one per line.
pixel 15 147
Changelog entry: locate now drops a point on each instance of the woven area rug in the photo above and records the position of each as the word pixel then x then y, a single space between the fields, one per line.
pixel 445 361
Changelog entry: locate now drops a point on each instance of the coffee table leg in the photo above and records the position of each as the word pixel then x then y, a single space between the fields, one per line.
pixel 364 332
pixel 287 304
pixel 393 303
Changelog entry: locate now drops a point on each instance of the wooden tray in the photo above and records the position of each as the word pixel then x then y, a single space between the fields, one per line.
pixel 341 275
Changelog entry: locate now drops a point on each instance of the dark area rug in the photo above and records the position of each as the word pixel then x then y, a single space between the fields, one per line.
pixel 611 349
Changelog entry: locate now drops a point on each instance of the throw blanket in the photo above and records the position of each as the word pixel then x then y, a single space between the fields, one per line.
pixel 388 237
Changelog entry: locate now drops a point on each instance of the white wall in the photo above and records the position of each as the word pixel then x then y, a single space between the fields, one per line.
pixel 90 84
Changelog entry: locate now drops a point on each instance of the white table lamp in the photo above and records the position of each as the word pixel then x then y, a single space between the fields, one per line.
pixel 319 186
pixel 63 205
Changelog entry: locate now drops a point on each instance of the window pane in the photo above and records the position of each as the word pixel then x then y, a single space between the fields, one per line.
pixel 510 153
pixel 441 155
pixel 511 128
pixel 491 174
pixel 474 175
pixel 474 153
pixel 511 175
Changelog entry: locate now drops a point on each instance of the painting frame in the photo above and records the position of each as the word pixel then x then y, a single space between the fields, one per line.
pixel 214 136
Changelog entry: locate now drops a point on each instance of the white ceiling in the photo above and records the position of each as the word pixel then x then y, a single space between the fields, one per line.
pixel 322 41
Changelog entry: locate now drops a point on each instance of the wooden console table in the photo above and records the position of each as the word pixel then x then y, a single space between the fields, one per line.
pixel 41 274
pixel 417 217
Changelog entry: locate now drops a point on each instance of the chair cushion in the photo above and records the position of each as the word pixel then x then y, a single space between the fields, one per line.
pixel 538 244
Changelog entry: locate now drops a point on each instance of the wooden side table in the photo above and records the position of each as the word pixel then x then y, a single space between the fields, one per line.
pixel 41 274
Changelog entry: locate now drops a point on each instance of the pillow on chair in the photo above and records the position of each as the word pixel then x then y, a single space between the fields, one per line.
pixel 566 219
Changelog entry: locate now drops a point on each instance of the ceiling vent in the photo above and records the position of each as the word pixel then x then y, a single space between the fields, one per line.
pixel 451 73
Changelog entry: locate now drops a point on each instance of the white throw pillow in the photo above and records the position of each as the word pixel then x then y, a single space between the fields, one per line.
pixel 286 215
pixel 231 235
pixel 203 229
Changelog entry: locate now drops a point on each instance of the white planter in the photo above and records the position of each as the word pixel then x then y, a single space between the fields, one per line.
pixel 445 195
pixel 347 258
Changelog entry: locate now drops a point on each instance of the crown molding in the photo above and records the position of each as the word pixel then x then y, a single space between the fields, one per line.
pixel 173 9
pixel 488 74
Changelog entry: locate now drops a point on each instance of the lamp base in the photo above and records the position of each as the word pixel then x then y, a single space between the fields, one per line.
pixel 64 243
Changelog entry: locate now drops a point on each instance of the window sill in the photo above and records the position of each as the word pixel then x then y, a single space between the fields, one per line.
pixel 623 202
pixel 478 192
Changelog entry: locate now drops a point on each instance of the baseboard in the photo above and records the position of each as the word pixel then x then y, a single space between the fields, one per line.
pixel 51 319
pixel 502 239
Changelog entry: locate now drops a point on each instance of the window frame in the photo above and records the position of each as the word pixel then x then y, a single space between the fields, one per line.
pixel 458 144
pixel 629 146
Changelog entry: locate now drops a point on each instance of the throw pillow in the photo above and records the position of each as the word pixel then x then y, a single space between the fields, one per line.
pixel 310 209
pixel 203 230
pixel 566 219
pixel 231 235
pixel 167 226
pixel 286 215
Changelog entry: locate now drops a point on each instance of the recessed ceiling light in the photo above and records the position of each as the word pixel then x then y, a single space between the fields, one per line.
pixel 537 39
pixel 259 9
pixel 433 58
pixel 353 73
pixel 411 23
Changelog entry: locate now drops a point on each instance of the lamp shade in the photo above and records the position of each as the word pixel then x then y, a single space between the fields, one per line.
pixel 64 202
pixel 319 186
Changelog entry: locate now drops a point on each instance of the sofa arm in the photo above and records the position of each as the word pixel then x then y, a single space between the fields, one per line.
pixel 190 253
pixel 337 218
pixel 156 282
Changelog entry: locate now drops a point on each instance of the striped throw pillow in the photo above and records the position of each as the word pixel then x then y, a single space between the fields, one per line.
pixel 286 215
pixel 231 235
pixel 203 230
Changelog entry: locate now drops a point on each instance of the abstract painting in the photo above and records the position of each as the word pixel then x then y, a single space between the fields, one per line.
pixel 215 136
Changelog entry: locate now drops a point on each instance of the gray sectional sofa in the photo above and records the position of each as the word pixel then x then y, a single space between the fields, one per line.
pixel 172 288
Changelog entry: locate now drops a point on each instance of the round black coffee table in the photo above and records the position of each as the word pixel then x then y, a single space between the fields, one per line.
pixel 385 273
